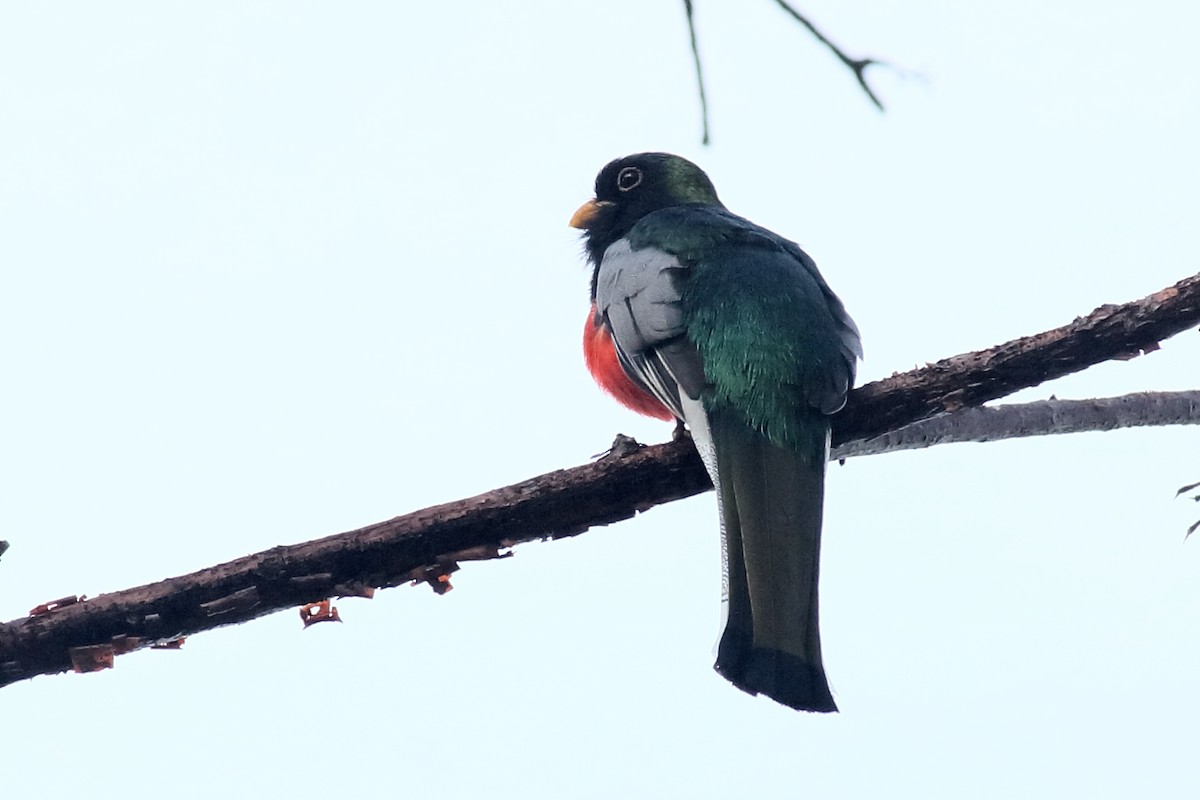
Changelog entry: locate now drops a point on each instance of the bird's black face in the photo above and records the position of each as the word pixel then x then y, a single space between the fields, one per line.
pixel 629 188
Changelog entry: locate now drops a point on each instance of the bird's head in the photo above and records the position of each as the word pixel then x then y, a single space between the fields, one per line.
pixel 629 188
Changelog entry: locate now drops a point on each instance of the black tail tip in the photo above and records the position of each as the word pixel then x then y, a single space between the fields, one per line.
pixel 780 676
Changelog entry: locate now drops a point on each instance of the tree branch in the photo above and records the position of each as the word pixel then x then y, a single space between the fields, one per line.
pixel 427 544
pixel 687 6
pixel 857 65
pixel 1041 418
pixel 971 379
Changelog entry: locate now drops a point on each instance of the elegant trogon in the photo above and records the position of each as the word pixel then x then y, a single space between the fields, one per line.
pixel 700 315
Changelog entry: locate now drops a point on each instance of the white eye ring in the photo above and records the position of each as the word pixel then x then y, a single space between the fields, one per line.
pixel 628 178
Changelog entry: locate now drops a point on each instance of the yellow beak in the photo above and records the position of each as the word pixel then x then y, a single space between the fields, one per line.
pixel 587 212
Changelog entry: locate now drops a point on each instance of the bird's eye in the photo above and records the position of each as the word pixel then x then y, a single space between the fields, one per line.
pixel 628 178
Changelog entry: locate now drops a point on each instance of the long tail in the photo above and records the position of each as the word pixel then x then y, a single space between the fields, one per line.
pixel 770 500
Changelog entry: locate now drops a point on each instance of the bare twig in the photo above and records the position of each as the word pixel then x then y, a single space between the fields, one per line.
pixel 1182 489
pixel 857 65
pixel 687 5
pixel 1041 418
pixel 426 545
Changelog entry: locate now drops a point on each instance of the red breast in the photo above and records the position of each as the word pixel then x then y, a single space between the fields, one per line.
pixel 601 356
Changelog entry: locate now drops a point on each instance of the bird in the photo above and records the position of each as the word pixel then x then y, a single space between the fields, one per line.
pixel 701 316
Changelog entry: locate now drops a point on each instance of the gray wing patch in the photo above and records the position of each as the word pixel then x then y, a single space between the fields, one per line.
pixel 638 295
pixel 636 290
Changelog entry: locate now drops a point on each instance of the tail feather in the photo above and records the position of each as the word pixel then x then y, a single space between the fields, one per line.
pixel 771 501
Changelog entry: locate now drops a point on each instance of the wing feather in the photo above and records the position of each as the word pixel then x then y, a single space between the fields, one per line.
pixel 638 296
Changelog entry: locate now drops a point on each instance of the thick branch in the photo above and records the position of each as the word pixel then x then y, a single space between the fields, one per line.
pixel 972 379
pixel 426 544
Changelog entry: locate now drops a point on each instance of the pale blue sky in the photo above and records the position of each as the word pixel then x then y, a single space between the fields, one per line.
pixel 277 270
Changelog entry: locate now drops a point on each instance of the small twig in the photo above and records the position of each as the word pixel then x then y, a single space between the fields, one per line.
pixel 857 65
pixel 687 5
pixel 1191 528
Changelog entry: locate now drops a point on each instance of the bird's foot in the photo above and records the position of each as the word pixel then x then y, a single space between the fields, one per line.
pixel 622 446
